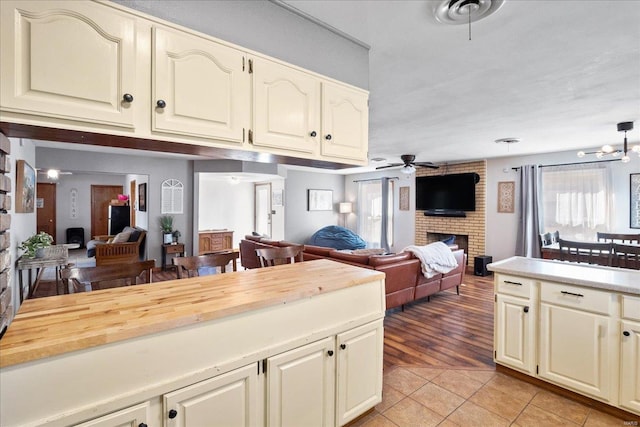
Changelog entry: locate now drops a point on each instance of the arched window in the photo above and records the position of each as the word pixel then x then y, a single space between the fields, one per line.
pixel 172 191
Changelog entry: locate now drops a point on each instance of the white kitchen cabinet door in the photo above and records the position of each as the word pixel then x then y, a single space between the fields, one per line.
pixel 203 85
pixel 227 400
pixel 514 333
pixel 574 350
pixel 301 386
pixel 345 122
pixel 630 366
pixel 359 370
pixel 69 59
pixel 134 416
pixel 286 107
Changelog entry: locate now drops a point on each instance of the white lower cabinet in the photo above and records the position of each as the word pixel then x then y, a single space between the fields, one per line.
pixel 328 382
pixel 630 354
pixel 515 333
pixel 227 400
pixel 134 416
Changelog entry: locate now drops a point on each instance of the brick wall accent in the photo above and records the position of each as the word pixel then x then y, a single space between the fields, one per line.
pixel 472 225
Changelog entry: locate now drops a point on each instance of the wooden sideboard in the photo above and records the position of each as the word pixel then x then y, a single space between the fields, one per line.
pixel 214 240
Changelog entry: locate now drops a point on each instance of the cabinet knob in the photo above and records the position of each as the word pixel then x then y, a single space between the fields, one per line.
pixel 142 425
pixel 173 413
pixel 526 308
pixel 313 133
pixel 328 137
pixel 343 346
pixel 127 97
pixel 330 353
pixel 161 103
pixel 626 333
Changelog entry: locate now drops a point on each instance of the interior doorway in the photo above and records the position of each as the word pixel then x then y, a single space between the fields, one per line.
pixel 262 208
pixel 46 209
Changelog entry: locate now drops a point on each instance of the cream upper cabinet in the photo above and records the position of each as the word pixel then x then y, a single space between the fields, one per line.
pixel 200 88
pixel 359 371
pixel 301 386
pixel 286 107
pixel 68 59
pixel 227 400
pixel 345 122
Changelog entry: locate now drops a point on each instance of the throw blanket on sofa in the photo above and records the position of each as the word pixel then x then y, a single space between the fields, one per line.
pixel 435 258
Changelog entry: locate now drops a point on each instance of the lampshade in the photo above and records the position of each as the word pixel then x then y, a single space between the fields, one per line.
pixel 346 207
pixel 408 169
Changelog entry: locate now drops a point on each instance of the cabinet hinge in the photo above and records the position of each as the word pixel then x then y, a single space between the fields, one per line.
pixel 243 63
pixel 250 136
pixel 495 354
pixel 243 134
pixel 264 365
pixel 537 372
pixel 251 66
pixel 495 298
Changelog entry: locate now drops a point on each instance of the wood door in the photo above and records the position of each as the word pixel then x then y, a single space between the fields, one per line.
pixel 101 196
pixel 46 215
pixel 133 196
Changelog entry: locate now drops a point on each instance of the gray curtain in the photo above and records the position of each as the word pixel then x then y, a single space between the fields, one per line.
pixel 384 241
pixel 528 238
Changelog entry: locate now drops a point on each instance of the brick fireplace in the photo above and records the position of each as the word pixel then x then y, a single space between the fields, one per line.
pixel 469 230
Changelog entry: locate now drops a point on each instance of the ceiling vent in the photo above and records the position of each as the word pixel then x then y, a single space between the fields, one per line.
pixel 456 12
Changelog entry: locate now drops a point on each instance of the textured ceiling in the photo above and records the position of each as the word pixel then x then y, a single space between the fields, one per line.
pixel 558 74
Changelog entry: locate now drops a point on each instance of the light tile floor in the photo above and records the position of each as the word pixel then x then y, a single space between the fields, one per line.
pixel 426 396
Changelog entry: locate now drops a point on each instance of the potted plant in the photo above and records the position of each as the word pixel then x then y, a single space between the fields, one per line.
pixel 176 234
pixel 166 225
pixel 35 244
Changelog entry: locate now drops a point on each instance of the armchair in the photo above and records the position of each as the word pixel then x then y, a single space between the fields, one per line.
pixel 121 252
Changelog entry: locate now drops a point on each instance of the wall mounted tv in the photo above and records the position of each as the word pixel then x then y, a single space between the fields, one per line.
pixel 446 195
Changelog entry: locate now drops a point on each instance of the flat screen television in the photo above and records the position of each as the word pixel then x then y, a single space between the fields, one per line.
pixel 448 195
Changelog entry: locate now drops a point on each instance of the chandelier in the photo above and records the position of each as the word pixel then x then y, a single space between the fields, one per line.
pixel 608 150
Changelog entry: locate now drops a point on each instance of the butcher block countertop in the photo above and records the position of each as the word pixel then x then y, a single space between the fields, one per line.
pixel 51 326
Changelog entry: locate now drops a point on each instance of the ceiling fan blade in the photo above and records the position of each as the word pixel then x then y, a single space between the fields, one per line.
pixel 426 165
pixel 392 165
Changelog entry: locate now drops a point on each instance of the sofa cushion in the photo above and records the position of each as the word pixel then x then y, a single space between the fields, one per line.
pixel 121 237
pixel 346 256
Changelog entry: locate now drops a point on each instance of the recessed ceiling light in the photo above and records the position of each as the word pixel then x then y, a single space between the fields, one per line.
pixel 508 140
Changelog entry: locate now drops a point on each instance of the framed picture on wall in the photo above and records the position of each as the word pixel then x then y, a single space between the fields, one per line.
pixel 506 196
pixel 634 200
pixel 404 199
pixel 320 200
pixel 25 187
pixel 142 197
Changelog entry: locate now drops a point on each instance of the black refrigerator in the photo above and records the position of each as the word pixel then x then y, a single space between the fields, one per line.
pixel 118 219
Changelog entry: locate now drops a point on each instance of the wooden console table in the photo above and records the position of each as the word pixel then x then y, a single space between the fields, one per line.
pixel 54 256
pixel 214 241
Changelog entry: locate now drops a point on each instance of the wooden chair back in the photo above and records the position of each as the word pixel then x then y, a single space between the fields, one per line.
pixel 188 266
pixel 618 238
pixel 108 276
pixel 627 256
pixel 589 252
pixel 281 255
pixel 555 236
pixel 545 239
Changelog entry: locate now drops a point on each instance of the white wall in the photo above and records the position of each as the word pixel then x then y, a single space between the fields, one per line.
pixel 502 228
pixel 142 218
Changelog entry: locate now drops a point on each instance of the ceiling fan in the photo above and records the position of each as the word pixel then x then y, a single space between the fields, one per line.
pixel 409 164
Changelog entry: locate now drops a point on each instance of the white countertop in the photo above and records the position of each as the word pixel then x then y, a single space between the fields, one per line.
pixel 610 278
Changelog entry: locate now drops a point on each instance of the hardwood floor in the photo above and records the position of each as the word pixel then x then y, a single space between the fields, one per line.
pixel 448 331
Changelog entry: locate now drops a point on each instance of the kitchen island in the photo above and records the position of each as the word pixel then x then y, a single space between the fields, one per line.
pixel 575 326
pixel 296 342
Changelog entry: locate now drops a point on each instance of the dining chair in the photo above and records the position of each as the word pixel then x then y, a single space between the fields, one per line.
pixel 589 252
pixel 192 266
pixel 618 238
pixel 108 276
pixel 280 255
pixel 627 256
pixel 555 236
pixel 545 239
